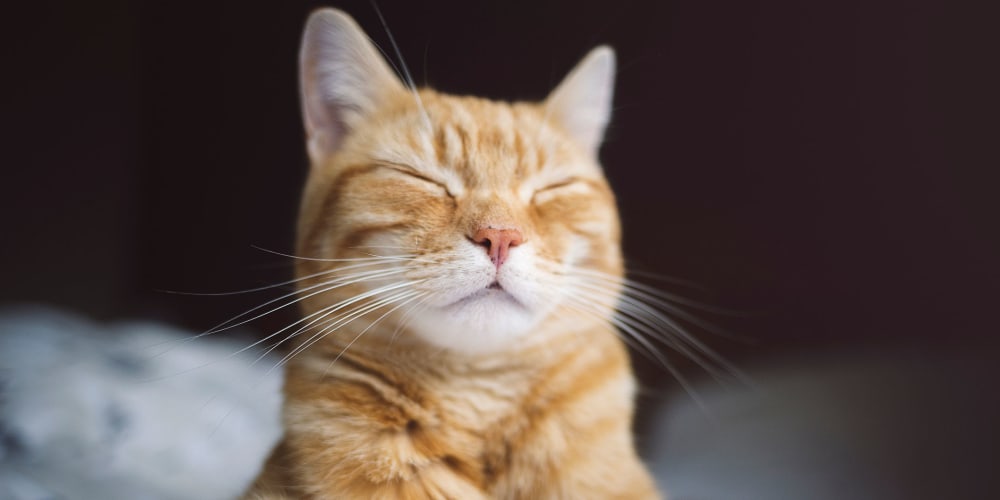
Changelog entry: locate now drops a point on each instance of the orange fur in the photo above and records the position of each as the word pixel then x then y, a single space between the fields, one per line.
pixel 374 409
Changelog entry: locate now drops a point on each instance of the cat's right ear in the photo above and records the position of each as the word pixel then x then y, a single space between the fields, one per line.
pixel 343 78
pixel 581 104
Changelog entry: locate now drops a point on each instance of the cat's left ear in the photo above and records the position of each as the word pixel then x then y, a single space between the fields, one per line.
pixel 343 79
pixel 581 104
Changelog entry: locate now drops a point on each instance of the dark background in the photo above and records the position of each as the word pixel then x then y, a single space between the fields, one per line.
pixel 825 169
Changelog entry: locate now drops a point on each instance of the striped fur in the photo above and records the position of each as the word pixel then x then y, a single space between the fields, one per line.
pixel 447 386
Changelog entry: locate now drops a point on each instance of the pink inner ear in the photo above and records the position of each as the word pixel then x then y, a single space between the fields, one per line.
pixel 581 104
pixel 343 77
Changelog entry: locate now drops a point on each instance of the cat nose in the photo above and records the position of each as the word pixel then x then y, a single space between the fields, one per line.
pixel 497 242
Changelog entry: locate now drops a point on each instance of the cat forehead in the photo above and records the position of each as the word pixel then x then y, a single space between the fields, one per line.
pixel 476 141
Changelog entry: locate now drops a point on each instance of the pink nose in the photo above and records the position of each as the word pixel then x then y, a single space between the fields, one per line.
pixel 498 242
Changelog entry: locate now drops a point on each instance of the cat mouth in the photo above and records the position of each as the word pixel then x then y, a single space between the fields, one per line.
pixel 493 291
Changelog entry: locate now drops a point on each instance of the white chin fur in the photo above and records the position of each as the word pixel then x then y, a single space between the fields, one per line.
pixel 488 321
pixel 466 314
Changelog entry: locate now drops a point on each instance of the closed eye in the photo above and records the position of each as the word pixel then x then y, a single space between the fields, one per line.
pixel 415 174
pixel 557 185
pixel 549 191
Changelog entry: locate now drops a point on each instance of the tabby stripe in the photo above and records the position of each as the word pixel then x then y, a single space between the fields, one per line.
pixel 372 372
pixel 331 197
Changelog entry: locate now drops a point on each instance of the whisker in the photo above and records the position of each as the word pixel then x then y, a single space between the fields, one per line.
pixel 343 320
pixel 325 312
pixel 251 290
pixel 330 285
pixel 634 309
pixel 322 313
pixel 264 376
pixel 407 317
pixel 411 259
pixel 369 327
pixel 218 327
pixel 681 379
pixel 668 279
pixel 322 333
pixel 658 322
pixel 651 290
pixel 258 342
pixel 639 309
pixel 682 314
pixel 299 257
pixel 674 337
pixel 644 348
pixel 667 301
pixel 406 71
pixel 391 247
pixel 643 323
pixel 647 349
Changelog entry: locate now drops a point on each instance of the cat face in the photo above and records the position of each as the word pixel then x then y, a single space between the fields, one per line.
pixel 473 213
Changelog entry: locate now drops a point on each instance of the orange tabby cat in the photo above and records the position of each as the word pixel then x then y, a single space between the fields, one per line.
pixel 460 264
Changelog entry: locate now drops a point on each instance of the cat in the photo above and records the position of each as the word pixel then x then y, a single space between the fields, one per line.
pixel 458 268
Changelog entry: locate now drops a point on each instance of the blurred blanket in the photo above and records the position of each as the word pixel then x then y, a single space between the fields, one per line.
pixel 128 410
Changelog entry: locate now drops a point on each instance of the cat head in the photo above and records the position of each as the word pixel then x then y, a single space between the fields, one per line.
pixel 469 220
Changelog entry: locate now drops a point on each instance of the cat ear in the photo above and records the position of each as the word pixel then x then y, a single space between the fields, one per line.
pixel 343 78
pixel 581 104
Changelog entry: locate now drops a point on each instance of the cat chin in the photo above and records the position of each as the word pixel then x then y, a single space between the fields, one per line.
pixel 485 322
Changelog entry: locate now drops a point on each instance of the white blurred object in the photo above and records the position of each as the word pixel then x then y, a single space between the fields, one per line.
pixel 129 410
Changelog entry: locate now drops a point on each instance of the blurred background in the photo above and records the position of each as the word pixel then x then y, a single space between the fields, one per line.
pixel 825 171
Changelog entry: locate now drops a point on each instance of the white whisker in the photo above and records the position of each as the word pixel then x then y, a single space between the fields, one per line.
pixel 646 348
pixel 325 313
pixel 299 257
pixel 669 279
pixel 390 247
pixel 322 313
pixel 266 287
pixel 650 290
pixel 258 342
pixel 325 286
pixel 405 301
pixel 349 316
pixel 667 330
pixel 406 71
pixel 407 317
